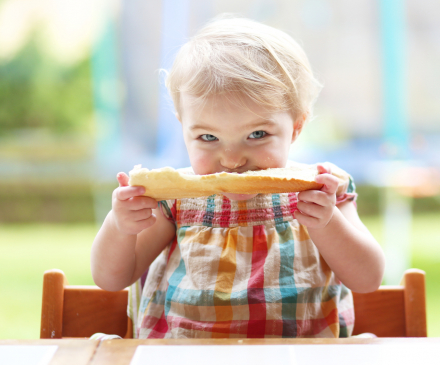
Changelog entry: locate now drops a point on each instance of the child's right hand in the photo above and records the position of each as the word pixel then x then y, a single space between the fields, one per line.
pixel 132 212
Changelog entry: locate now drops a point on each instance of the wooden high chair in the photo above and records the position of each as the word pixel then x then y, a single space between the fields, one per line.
pixel 80 311
pixel 393 311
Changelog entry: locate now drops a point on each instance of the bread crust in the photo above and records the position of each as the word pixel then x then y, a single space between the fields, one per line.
pixel 167 183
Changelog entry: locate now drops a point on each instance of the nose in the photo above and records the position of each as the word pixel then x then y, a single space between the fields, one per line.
pixel 232 159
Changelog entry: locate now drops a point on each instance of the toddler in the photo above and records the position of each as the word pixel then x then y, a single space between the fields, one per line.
pixel 231 266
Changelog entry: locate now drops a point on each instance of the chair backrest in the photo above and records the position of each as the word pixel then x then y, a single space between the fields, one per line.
pixel 80 311
pixel 393 311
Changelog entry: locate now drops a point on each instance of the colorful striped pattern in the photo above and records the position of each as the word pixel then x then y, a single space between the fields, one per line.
pixel 242 269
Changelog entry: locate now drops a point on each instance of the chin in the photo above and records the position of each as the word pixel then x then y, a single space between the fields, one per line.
pixel 231 196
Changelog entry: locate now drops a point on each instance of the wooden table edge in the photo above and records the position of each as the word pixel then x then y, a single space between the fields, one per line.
pixel 69 352
pixel 120 352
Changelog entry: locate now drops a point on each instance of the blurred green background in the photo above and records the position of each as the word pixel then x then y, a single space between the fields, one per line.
pixel 53 194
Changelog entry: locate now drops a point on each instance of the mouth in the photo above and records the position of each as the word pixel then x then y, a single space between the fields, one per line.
pixel 241 171
pixel 234 171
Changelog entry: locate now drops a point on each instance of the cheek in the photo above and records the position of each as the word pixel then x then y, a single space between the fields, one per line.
pixel 272 156
pixel 201 161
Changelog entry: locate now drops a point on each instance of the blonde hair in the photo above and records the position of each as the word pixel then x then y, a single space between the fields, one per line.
pixel 247 59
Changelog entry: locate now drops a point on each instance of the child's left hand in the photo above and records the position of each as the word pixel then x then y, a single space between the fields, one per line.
pixel 316 207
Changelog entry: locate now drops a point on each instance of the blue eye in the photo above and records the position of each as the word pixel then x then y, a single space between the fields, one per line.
pixel 257 134
pixel 208 137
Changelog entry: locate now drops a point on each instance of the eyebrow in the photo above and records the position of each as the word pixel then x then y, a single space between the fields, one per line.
pixel 206 128
pixel 253 124
pixel 261 123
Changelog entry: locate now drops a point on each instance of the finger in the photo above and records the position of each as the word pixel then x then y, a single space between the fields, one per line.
pixel 140 215
pixel 127 192
pixel 311 209
pixel 146 223
pixel 122 179
pixel 142 202
pixel 317 197
pixel 330 183
pixel 324 168
pixel 135 227
pixel 313 196
pixel 306 220
pixel 309 196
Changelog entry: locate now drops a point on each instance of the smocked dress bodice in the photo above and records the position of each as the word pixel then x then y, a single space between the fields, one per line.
pixel 242 269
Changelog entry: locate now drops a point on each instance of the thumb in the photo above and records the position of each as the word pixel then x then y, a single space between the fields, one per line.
pixel 122 179
pixel 324 168
pixel 330 183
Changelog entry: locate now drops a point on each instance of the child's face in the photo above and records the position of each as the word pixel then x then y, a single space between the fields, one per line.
pixel 221 136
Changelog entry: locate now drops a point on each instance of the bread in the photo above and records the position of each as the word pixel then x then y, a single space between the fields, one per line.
pixel 168 183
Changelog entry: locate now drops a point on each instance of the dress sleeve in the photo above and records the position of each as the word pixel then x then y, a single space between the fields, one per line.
pixel 168 209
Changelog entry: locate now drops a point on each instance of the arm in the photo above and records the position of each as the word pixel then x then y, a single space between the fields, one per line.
pixel 132 236
pixel 341 238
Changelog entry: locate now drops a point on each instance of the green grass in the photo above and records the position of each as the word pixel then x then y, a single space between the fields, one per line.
pixel 27 250
pixel 425 252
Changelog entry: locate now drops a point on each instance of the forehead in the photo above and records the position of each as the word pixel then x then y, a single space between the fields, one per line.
pixel 229 105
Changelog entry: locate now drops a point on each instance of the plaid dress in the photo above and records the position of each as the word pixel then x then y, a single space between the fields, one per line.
pixel 241 269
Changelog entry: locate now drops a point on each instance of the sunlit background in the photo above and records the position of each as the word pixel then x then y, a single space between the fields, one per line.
pixel 82 97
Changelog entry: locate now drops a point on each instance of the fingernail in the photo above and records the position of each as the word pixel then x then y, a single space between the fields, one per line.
pixel 141 190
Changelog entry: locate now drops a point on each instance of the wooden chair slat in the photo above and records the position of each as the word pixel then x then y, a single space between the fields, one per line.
pixel 381 312
pixel 88 309
pixel 54 282
pixel 80 311
pixel 415 303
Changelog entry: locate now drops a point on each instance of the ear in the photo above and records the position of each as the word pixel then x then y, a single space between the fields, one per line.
pixel 178 117
pixel 298 126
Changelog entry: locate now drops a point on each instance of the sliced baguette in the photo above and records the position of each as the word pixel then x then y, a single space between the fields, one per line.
pixel 168 183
